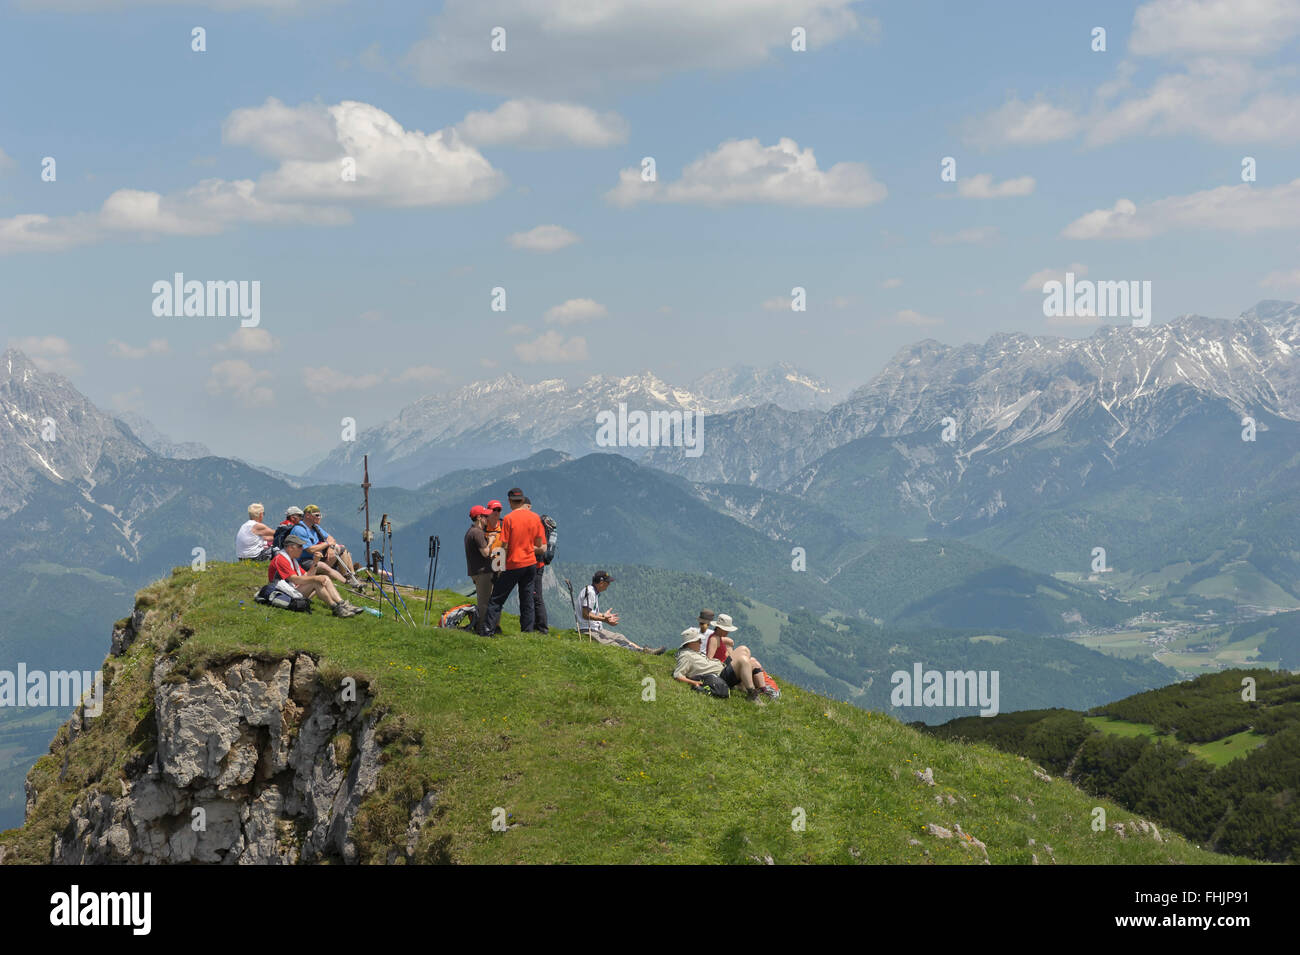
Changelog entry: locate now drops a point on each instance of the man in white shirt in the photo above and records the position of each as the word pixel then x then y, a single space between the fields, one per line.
pixel 592 621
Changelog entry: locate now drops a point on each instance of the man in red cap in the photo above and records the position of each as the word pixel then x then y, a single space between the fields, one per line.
pixel 524 540
pixel 478 559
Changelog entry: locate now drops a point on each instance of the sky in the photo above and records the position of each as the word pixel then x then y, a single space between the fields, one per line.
pixel 1116 157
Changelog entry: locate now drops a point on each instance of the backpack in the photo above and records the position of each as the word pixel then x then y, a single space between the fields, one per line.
pixel 281 533
pixel 463 617
pixel 274 596
pixel 548 524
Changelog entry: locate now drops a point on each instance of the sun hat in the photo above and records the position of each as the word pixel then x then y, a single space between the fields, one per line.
pixel 723 622
pixel 688 636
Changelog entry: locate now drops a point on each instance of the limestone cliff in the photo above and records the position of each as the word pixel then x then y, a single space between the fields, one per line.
pixel 254 761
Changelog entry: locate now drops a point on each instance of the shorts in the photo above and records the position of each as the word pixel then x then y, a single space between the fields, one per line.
pixel 729 675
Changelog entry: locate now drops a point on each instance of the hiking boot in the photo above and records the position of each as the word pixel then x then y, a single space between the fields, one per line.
pixel 341 609
pixel 657 651
pixel 753 696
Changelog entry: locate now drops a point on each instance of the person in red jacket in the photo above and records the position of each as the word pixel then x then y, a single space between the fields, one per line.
pixel 285 566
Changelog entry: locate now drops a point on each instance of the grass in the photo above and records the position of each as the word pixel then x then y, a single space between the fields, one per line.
pixel 593 754
pixel 1219 752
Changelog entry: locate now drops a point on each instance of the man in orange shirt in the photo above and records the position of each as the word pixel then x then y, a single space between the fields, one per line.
pixel 524 540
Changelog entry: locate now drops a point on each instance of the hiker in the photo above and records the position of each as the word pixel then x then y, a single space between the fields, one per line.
pixel 524 540
pixel 706 625
pixel 692 664
pixel 493 527
pixel 253 539
pixel 478 559
pixel 540 623
pixel 592 621
pixel 291 518
pixel 285 566
pixel 322 554
pixel 718 644
pixel 739 665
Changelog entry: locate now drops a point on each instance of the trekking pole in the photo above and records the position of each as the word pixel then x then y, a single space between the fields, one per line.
pixel 434 546
pixel 577 625
pixel 392 569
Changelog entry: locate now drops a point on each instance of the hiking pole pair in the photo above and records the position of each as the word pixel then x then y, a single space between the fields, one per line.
pixel 435 546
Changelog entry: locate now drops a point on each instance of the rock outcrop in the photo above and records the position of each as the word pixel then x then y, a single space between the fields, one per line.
pixel 256 762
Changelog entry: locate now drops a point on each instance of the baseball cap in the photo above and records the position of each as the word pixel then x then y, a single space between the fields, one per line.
pixel 311 509
pixel 690 635
pixel 478 510
pixel 293 512
pixel 494 505
pixel 600 575
pixel 515 494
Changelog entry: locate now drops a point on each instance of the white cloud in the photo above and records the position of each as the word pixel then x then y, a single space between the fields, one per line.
pixel 543 238
pixel 251 341
pixel 155 346
pixel 518 328
pixel 1017 123
pixel 743 170
pixel 128 400
pixel 1072 320
pixel 1217 99
pixel 976 235
pixel 7 163
pixel 551 346
pixel 306 132
pixel 566 46
pixel 1282 279
pixel 325 380
pixel 536 124
pixel 1035 282
pixel 1251 27
pixel 48 353
pixel 1242 208
pixel 840 301
pixel 1222 101
pixel 237 379
pixel 911 317
pixel 891 283
pixel 983 187
pixel 574 311
pixel 394 167
pixel 100 6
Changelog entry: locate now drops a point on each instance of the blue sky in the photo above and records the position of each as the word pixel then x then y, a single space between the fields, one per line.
pixel 376 292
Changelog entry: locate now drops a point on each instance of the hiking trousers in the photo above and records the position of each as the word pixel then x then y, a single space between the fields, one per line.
pixel 540 623
pixel 482 593
pixel 507 580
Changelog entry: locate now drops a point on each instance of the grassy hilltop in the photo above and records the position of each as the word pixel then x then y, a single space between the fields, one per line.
pixel 556 731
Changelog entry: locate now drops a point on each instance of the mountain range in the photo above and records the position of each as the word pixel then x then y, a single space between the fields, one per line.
pixel 492 422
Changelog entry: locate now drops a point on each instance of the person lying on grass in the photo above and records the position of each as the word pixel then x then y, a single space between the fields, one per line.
pixel 693 664
pixel 284 566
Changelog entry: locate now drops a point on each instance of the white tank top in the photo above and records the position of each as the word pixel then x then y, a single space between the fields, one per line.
pixel 248 544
